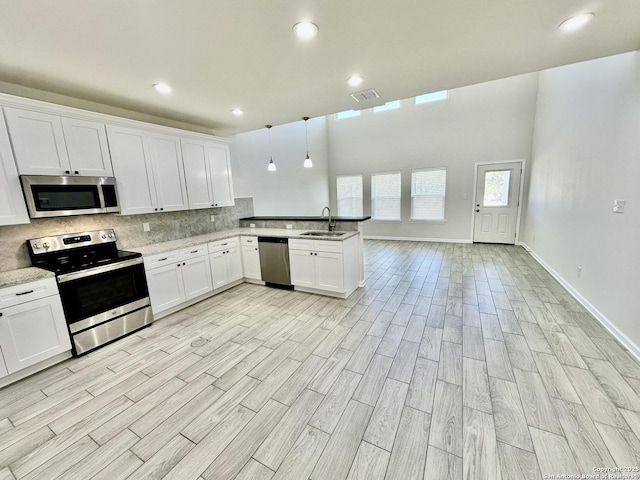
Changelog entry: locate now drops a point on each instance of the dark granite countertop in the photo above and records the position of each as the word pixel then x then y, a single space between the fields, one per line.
pixel 307 219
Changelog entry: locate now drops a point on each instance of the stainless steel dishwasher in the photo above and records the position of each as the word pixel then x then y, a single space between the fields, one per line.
pixel 274 261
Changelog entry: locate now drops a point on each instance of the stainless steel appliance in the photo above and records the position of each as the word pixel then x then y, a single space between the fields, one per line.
pixel 58 196
pixel 103 290
pixel 274 261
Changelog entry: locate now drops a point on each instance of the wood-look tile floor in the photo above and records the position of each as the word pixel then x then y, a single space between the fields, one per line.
pixel 456 361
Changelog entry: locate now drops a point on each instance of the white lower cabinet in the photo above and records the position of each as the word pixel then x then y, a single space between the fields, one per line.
pixel 251 258
pixel 177 277
pixel 32 325
pixel 325 266
pixel 226 262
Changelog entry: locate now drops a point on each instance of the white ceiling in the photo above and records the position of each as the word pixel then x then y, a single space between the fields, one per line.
pixel 221 54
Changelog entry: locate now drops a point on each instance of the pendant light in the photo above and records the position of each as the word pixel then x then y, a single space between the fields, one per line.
pixel 272 166
pixel 307 161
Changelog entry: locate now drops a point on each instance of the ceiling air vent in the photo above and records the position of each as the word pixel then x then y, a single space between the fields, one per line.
pixel 365 95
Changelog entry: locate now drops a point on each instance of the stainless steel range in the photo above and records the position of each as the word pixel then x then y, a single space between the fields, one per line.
pixel 103 290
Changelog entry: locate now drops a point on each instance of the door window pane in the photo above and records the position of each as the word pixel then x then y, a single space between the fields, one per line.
pixel 496 188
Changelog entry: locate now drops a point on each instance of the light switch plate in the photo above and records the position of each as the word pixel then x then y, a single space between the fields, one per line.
pixel 289 226
pixel 145 227
pixel 618 206
pixel 252 225
pixel 213 218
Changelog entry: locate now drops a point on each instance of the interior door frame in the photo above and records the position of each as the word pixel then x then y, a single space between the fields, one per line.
pixel 520 195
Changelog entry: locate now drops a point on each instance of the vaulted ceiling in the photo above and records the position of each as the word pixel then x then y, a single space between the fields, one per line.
pixel 223 54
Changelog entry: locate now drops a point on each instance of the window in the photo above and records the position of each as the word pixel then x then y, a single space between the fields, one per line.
pixel 432 97
pixel 387 106
pixel 349 189
pixel 385 196
pixel 347 114
pixel 428 187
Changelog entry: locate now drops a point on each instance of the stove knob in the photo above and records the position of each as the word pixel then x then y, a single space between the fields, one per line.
pixel 103 236
pixel 111 235
pixel 36 246
pixel 45 245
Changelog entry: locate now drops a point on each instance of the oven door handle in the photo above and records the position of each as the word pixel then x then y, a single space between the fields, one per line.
pixel 67 277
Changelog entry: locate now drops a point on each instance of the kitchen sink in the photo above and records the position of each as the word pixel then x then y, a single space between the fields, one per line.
pixel 322 233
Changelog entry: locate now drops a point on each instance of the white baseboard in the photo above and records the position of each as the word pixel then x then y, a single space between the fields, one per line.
pixel 417 239
pixel 597 314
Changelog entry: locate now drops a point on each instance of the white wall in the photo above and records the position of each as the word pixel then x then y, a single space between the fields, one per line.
pixel 291 189
pixel 586 154
pixel 488 122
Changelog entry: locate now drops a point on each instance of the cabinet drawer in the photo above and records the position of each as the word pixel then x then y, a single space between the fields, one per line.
pixel 296 244
pixel 27 292
pixel 160 259
pixel 251 241
pixel 225 244
pixel 315 245
pixel 194 252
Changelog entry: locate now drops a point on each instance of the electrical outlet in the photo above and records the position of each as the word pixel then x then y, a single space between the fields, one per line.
pixel 213 218
pixel 579 272
pixel 145 227
pixel 252 225
pixel 289 226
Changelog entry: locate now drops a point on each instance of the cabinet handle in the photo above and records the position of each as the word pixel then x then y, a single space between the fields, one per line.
pixel 256 249
pixel 183 264
pixel 316 254
pixel 77 172
pixel 310 253
pixel 67 172
pixel 178 265
pixel 0 314
pixel 249 241
pixel 155 209
pixel 162 209
pixel 25 293
pixel 194 251
pixel 162 259
pixel 224 244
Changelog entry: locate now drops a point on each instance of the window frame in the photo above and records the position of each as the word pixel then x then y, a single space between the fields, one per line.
pixel 444 197
pixel 361 196
pixel 386 220
pixel 385 108
pixel 353 114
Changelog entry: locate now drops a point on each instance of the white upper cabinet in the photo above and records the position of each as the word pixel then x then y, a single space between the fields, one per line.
pixel 87 147
pixel 168 172
pixel 12 207
pixel 148 170
pixel 46 144
pixel 208 174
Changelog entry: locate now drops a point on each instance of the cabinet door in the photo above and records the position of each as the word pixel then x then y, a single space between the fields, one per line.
pixel 219 271
pixel 196 274
pixel 32 332
pixel 3 367
pixel 221 182
pixel 197 174
pixel 132 169
pixel 168 172
pixel 38 142
pixel 166 288
pixel 251 262
pixel 87 147
pixel 12 207
pixel 329 271
pixel 234 265
pixel 302 267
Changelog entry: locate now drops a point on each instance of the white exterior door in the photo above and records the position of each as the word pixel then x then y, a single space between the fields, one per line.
pixel 497 202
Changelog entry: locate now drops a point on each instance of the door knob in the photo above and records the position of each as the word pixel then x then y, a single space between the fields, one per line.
pixel 477 210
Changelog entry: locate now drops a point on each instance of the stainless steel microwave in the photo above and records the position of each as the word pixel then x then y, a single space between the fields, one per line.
pixel 59 196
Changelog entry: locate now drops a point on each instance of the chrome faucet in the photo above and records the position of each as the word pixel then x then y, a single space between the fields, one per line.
pixel 332 225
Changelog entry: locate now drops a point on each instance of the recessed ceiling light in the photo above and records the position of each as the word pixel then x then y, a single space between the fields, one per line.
pixel 162 87
pixel 355 80
pixel 574 23
pixel 237 112
pixel 305 30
